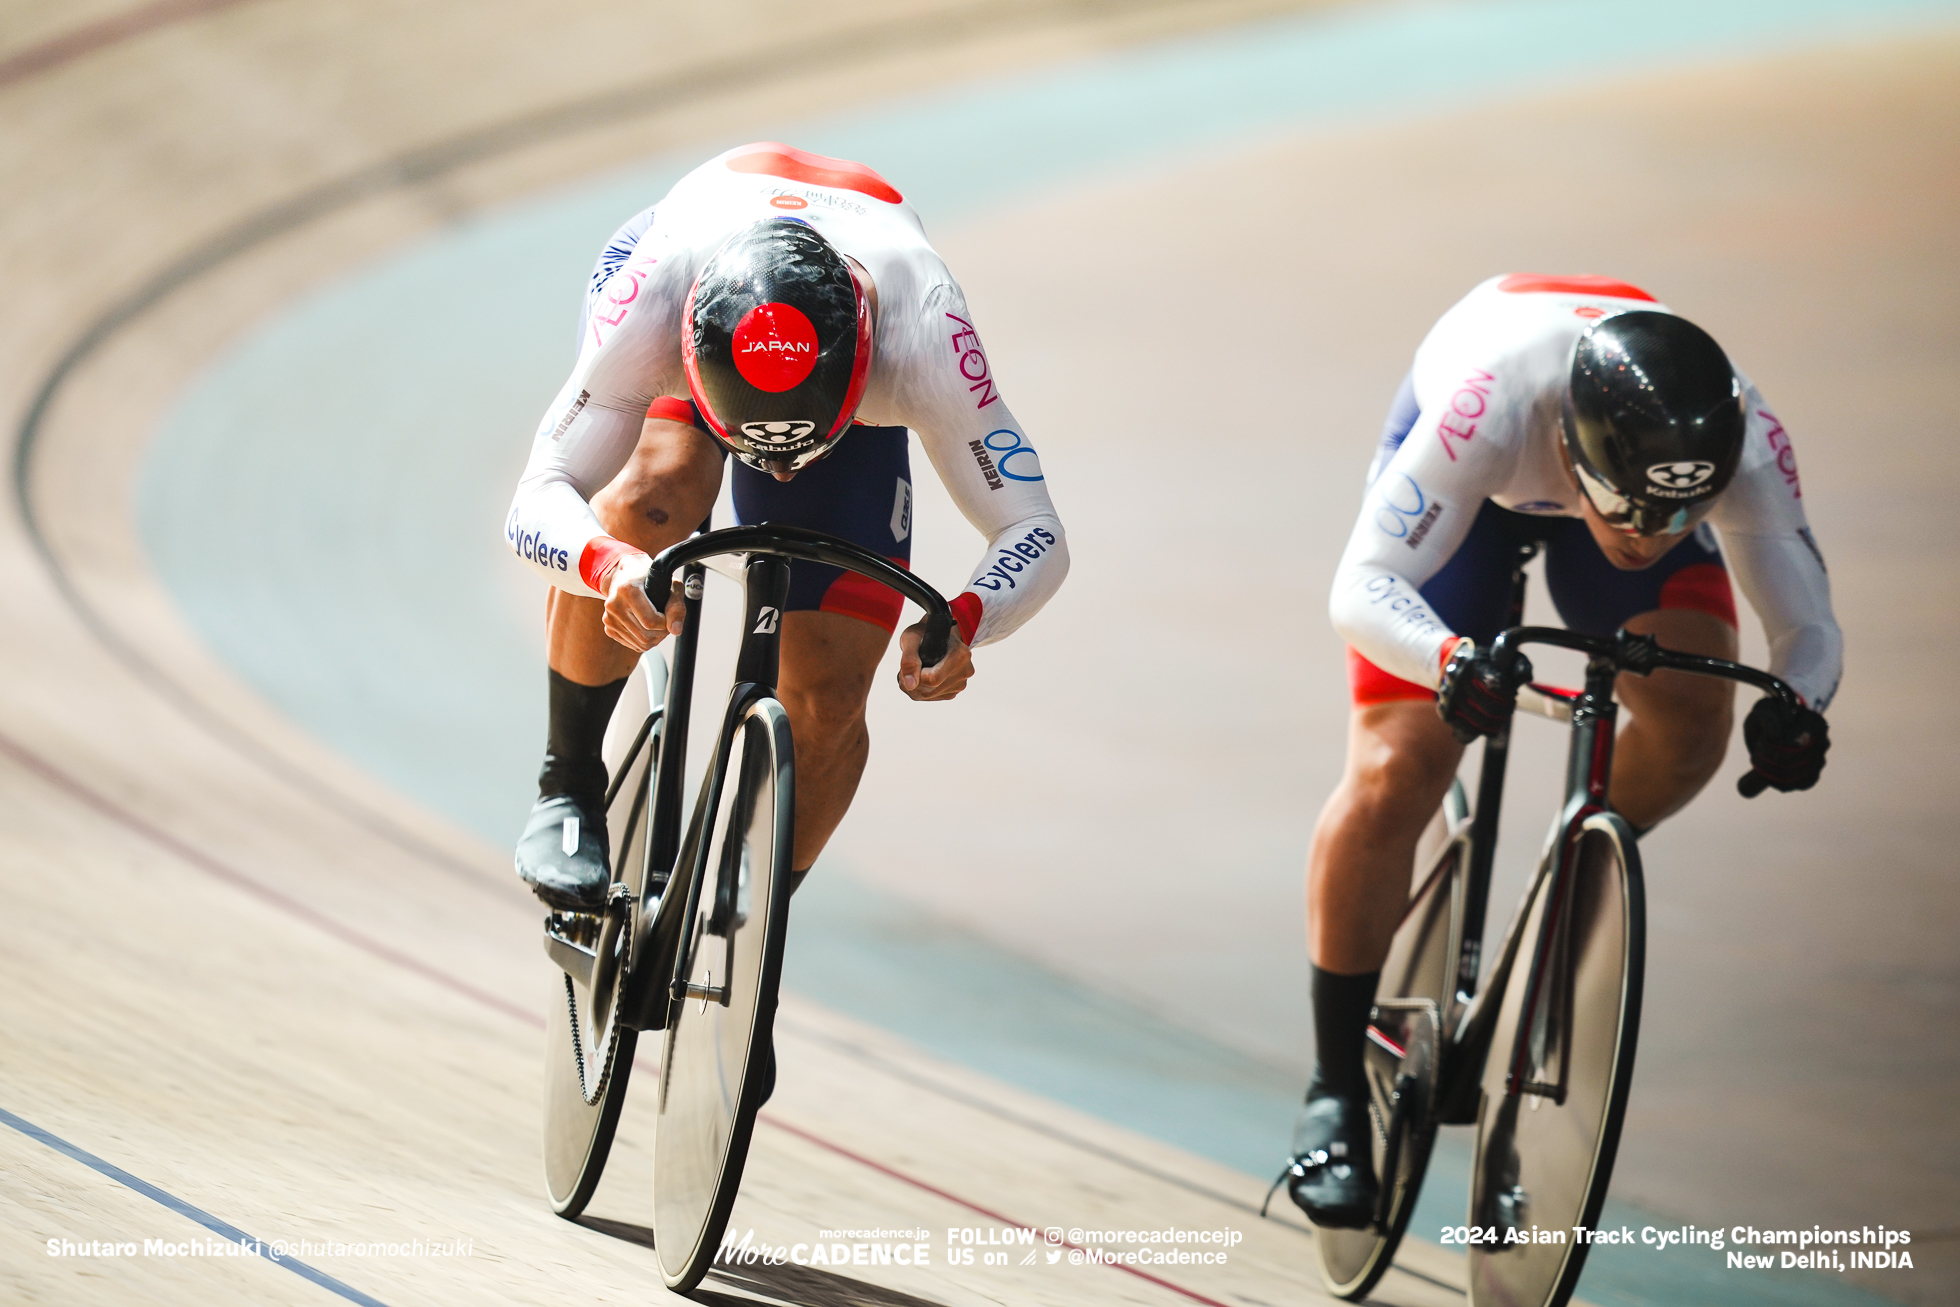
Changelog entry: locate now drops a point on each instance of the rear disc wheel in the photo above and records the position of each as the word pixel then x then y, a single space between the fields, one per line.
pixel 1402 1059
pixel 588 1052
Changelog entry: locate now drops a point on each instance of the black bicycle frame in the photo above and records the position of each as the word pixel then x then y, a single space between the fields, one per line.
pixel 1588 775
pixel 1483 822
pixel 757 664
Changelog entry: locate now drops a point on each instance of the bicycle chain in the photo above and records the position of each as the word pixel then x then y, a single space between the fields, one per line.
pixel 598 1091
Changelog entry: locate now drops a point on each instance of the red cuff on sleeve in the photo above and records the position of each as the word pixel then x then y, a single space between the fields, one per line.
pixel 966 612
pixel 601 556
pixel 1449 647
pixel 1369 684
pixel 669 409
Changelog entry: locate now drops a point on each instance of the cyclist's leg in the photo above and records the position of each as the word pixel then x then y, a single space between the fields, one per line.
pixel 1401 759
pixel 836 624
pixel 666 488
pixel 828 662
pixel 1678 723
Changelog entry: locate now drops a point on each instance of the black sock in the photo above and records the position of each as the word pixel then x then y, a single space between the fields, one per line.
pixel 573 763
pixel 1340 1023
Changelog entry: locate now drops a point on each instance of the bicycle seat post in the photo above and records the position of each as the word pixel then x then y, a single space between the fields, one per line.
pixel 766 590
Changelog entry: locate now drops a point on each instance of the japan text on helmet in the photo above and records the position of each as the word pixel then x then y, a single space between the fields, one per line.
pixel 776 340
pixel 1653 421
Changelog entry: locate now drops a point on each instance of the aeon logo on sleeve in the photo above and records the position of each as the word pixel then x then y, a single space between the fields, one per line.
pixel 778 433
pixel 1679 480
pixel 1786 457
pixel 775 347
pixel 1467 405
pixel 973 362
pixel 618 295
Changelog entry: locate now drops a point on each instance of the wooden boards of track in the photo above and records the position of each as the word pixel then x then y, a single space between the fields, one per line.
pixel 872 1150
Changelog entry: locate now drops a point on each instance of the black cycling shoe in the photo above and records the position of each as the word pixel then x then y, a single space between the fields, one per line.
pixel 1332 1174
pixel 562 854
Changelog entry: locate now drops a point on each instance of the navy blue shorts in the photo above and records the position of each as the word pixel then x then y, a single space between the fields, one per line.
pixel 1472 592
pixel 862 491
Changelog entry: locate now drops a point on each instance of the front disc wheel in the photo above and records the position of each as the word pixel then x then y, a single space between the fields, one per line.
pixel 1556 1082
pixel 718 1037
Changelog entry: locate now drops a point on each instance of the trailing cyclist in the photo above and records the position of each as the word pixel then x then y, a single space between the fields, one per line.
pixel 784 308
pixel 1579 414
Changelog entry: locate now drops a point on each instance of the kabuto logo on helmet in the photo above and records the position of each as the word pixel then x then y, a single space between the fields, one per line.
pixel 778 433
pixel 1678 479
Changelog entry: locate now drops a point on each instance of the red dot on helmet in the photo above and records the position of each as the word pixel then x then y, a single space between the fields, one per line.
pixel 775 347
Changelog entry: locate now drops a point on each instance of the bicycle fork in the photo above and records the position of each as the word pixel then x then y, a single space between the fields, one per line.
pixel 756 668
pixel 1539 1053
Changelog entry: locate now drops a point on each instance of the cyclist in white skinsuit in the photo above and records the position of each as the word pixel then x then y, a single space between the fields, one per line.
pixel 1577 413
pixel 628 460
pixel 1487 387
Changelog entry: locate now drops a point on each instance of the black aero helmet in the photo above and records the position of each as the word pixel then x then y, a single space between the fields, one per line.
pixel 1653 421
pixel 776 339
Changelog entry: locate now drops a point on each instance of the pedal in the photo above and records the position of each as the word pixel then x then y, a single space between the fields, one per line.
pixel 1513 1211
pixel 579 929
pixel 686 989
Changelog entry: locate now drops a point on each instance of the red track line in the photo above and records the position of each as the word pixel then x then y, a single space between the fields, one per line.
pixel 204 862
pixel 101 34
pixel 989 1213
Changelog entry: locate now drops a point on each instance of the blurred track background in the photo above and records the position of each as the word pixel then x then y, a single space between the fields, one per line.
pixel 286 287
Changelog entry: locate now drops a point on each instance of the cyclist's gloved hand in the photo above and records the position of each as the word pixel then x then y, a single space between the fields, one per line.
pixel 1786 746
pixel 1474 697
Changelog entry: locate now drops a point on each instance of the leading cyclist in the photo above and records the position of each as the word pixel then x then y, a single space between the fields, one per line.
pixel 1579 413
pixel 784 308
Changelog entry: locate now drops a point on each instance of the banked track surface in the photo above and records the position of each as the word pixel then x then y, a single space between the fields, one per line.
pixel 242 973
pixel 145 761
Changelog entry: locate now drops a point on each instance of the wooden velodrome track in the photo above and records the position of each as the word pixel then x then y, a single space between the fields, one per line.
pixel 246 973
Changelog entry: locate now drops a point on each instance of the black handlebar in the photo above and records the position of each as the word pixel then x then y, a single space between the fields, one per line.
pixel 814 547
pixel 1642 654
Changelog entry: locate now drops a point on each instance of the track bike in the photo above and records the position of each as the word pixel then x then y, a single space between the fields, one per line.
pixel 689 943
pixel 1540 1059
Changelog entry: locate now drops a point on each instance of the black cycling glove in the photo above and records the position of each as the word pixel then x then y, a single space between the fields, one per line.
pixel 1786 746
pixel 1474 697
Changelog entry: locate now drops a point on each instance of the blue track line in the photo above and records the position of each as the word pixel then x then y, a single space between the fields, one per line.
pixel 229 1233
